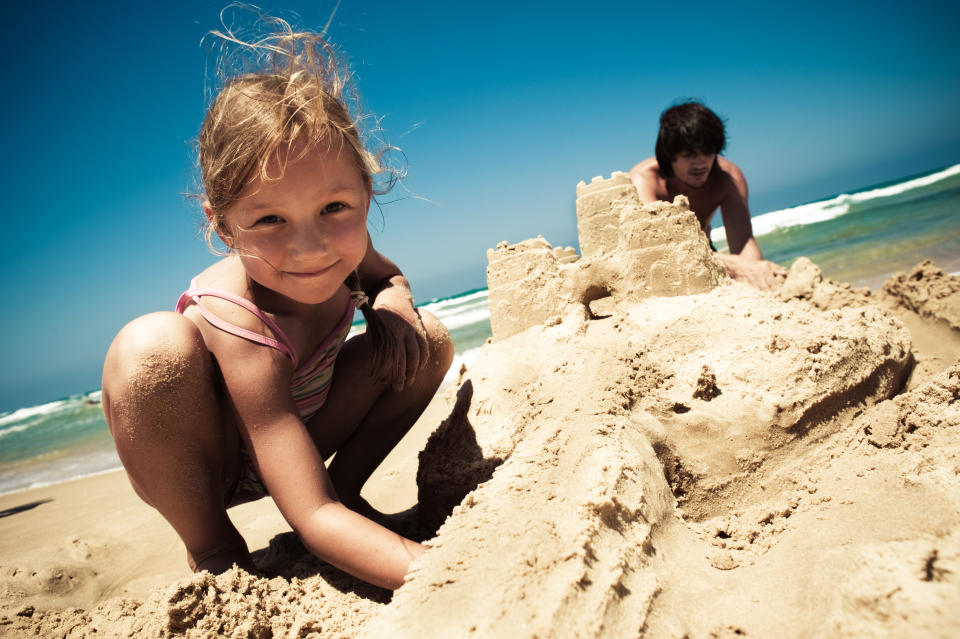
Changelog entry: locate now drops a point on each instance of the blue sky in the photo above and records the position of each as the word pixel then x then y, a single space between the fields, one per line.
pixel 500 107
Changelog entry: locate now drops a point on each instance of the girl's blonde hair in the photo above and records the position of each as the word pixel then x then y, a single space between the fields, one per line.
pixel 282 93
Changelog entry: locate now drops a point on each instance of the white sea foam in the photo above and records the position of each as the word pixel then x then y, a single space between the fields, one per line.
pixel 833 207
pixel 454 312
pixel 441 305
pixel 31 411
pixel 466 318
pixel 19 428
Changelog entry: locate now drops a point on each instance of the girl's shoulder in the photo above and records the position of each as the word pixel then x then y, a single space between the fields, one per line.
pixel 221 303
pixel 230 309
pixel 226 274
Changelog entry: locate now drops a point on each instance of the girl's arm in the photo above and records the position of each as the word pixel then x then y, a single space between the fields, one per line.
pixel 390 295
pixel 258 382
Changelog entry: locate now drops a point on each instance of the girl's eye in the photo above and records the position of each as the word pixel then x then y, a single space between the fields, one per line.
pixel 334 207
pixel 268 219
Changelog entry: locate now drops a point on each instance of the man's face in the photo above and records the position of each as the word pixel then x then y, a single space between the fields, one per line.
pixel 693 167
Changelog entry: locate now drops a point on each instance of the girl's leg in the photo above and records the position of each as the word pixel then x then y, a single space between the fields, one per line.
pixel 162 402
pixel 363 419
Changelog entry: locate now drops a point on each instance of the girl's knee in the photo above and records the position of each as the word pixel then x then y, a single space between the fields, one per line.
pixel 165 343
pixel 155 362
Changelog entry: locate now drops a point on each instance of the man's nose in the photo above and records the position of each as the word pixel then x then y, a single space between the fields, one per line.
pixel 701 160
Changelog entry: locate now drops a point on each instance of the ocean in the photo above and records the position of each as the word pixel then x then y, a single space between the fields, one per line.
pixel 861 237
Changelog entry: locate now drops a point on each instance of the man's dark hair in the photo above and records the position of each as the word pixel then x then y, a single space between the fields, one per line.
pixel 685 128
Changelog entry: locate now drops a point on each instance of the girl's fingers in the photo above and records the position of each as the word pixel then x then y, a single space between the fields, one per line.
pixel 399 366
pixel 423 348
pixel 422 345
pixel 413 352
pixel 414 357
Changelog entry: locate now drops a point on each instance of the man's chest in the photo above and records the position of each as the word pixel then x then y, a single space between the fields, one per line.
pixel 703 204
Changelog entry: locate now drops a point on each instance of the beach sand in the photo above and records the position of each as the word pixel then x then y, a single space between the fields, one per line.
pixel 644 448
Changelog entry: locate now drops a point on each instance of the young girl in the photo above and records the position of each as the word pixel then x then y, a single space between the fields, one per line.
pixel 235 395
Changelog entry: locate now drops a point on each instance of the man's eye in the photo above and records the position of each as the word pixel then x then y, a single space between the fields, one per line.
pixel 268 219
pixel 334 207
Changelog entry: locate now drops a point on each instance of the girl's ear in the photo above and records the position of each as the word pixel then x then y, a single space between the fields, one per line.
pixel 216 223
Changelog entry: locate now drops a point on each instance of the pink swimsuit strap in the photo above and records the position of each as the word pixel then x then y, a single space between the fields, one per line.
pixel 193 293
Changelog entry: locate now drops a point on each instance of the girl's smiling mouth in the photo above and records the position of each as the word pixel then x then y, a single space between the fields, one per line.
pixel 309 274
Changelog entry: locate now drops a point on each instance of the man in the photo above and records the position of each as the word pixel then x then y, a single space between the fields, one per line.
pixel 687 162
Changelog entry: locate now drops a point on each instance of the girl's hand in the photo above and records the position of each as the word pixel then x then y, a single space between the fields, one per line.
pixel 392 301
pixel 404 322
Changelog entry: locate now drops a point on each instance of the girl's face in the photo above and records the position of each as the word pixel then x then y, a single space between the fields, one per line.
pixel 302 235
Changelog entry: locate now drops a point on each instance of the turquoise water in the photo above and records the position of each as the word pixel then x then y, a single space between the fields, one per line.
pixel 867 236
pixel 862 237
pixel 54 442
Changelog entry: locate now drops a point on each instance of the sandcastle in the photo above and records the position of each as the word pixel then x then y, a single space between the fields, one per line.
pixel 636 414
pixel 629 251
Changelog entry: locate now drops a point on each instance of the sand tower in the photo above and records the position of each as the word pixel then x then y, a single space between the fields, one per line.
pixel 629 251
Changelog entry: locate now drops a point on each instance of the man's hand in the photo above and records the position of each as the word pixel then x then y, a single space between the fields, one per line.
pixel 761 274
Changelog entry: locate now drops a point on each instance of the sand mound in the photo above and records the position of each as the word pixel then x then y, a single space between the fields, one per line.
pixel 610 413
pixel 928 291
pixel 647 448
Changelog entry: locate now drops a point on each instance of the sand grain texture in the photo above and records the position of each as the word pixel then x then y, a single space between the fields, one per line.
pixel 645 448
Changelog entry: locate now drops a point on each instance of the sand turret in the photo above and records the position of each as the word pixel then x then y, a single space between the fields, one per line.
pixel 630 251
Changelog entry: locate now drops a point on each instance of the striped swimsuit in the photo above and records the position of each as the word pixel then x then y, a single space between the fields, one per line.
pixel 311 379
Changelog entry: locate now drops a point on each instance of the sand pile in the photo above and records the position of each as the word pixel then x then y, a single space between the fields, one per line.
pixel 642 428
pixel 647 448
pixel 927 291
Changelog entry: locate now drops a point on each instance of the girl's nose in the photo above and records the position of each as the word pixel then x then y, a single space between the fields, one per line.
pixel 308 241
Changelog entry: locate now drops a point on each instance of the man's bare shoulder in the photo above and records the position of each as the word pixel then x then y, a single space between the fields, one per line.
pixel 650 183
pixel 647 169
pixel 731 173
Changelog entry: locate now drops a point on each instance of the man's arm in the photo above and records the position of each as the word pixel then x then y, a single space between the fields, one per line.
pixel 745 261
pixel 736 213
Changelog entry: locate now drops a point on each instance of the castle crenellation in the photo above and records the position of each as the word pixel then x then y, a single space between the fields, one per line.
pixel 629 250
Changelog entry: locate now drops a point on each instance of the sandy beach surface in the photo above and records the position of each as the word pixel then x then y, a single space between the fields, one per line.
pixel 644 448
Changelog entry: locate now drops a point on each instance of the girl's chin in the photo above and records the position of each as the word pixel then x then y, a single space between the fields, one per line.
pixel 306 276
pixel 312 294
pixel 305 291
